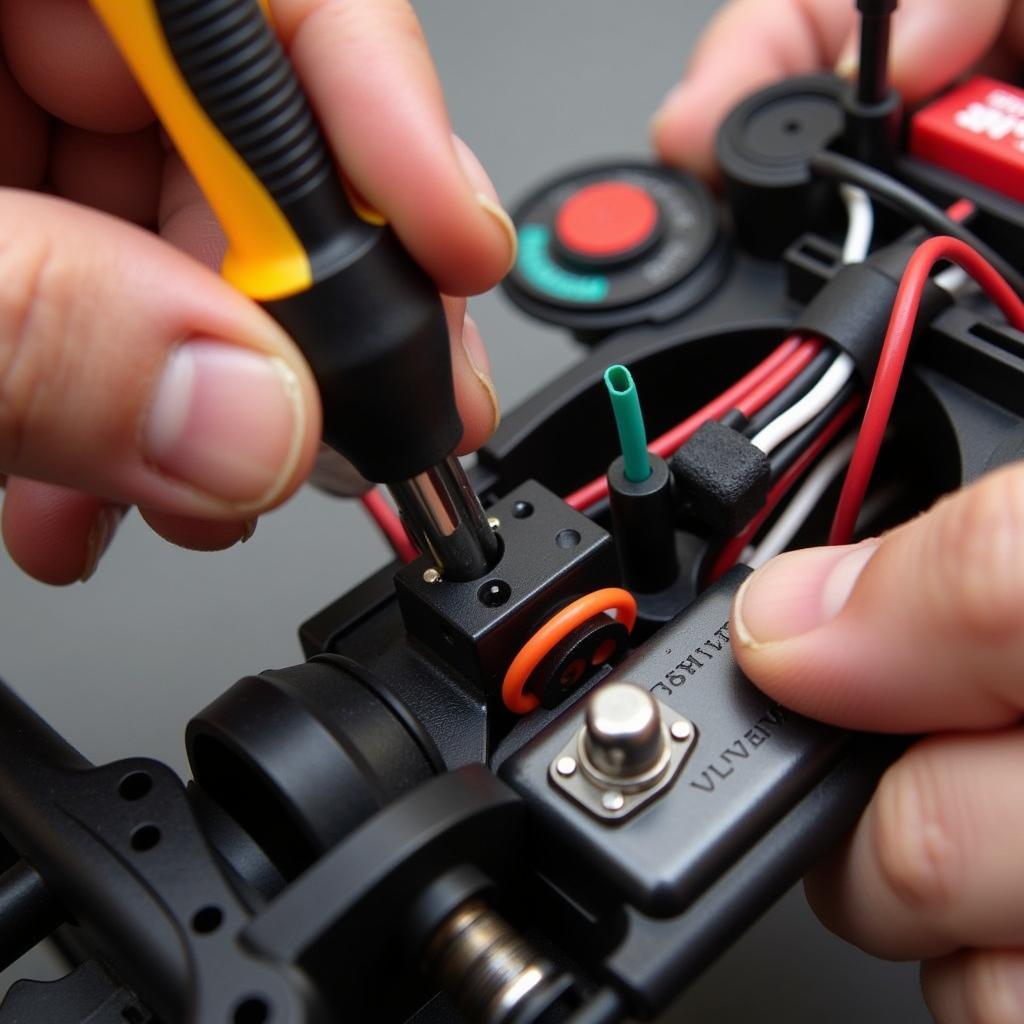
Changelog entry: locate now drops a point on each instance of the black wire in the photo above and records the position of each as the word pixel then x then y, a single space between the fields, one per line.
pixel 789 451
pixel 912 204
pixel 792 392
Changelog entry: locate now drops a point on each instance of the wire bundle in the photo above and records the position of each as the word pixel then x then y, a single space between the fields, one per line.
pixel 799 400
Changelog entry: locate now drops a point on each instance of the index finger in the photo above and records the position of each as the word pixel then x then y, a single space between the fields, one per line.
pixel 367 70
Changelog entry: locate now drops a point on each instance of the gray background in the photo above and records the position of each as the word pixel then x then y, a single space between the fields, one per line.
pixel 119 665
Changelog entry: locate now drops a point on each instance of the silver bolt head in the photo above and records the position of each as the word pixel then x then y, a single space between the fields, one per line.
pixel 566 766
pixel 431 576
pixel 493 522
pixel 623 735
pixel 681 729
pixel 613 800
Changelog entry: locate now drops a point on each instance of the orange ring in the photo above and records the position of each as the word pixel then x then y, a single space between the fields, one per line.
pixel 556 629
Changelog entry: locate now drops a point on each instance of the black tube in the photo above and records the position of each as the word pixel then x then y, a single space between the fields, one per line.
pixel 792 392
pixel 873 78
pixel 27 912
pixel 912 205
pixel 789 451
pixel 643 524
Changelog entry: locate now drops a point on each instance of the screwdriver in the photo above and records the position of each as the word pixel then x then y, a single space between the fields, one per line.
pixel 367 318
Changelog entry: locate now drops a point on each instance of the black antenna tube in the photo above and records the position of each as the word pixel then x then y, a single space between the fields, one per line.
pixel 872 106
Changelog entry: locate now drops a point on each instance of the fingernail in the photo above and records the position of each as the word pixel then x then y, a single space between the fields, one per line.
pixel 476 354
pixel 248 529
pixel 227 421
pixel 504 221
pixel 100 536
pixel 797 592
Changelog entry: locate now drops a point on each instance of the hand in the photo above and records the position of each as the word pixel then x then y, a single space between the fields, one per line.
pixel 132 374
pixel 921 631
pixel 752 43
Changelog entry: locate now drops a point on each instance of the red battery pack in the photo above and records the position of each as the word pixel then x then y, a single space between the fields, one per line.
pixel 976 131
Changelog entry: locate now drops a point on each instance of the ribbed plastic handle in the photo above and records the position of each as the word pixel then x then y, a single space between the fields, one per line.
pixel 233 62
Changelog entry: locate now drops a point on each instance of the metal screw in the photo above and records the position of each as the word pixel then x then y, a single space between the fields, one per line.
pixel 681 730
pixel 494 522
pixel 487 968
pixel 613 800
pixel 566 766
pixel 431 576
pixel 623 736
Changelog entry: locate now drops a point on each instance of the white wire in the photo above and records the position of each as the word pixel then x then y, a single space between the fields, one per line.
pixel 860 216
pixel 802 504
pixel 860 229
pixel 801 413
pixel 954 280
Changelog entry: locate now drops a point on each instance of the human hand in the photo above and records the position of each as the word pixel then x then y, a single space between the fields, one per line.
pixel 752 43
pixel 921 631
pixel 132 374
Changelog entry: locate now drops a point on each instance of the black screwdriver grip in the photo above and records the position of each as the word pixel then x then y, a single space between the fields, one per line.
pixel 234 64
pixel 370 322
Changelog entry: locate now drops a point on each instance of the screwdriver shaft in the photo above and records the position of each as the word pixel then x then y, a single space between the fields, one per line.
pixel 442 512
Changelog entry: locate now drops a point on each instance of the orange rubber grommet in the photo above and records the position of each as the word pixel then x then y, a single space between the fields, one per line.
pixel 556 629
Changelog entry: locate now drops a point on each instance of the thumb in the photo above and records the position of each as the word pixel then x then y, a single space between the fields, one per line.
pixel 921 630
pixel 130 372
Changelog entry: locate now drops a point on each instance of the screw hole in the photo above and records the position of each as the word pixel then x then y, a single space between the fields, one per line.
pixel 522 510
pixel 252 1011
pixel 792 127
pixel 145 837
pixel 573 672
pixel 207 920
pixel 567 538
pixel 135 786
pixel 494 593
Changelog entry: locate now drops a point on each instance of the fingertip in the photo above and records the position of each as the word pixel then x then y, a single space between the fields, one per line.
pixel 63 58
pixel 683 132
pixel 178 393
pixel 233 423
pixel 55 534
pixel 198 534
pixel 475 393
pixel 383 112
pixel 473 169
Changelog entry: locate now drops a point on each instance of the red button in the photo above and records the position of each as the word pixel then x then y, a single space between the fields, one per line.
pixel 606 219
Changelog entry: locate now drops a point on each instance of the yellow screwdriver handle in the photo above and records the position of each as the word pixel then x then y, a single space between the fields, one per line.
pixel 368 319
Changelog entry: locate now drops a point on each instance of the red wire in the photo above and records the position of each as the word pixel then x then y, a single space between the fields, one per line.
pixel 894 354
pixel 776 381
pixel 961 210
pixel 730 554
pixel 390 525
pixel 678 435
pixel 781 367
